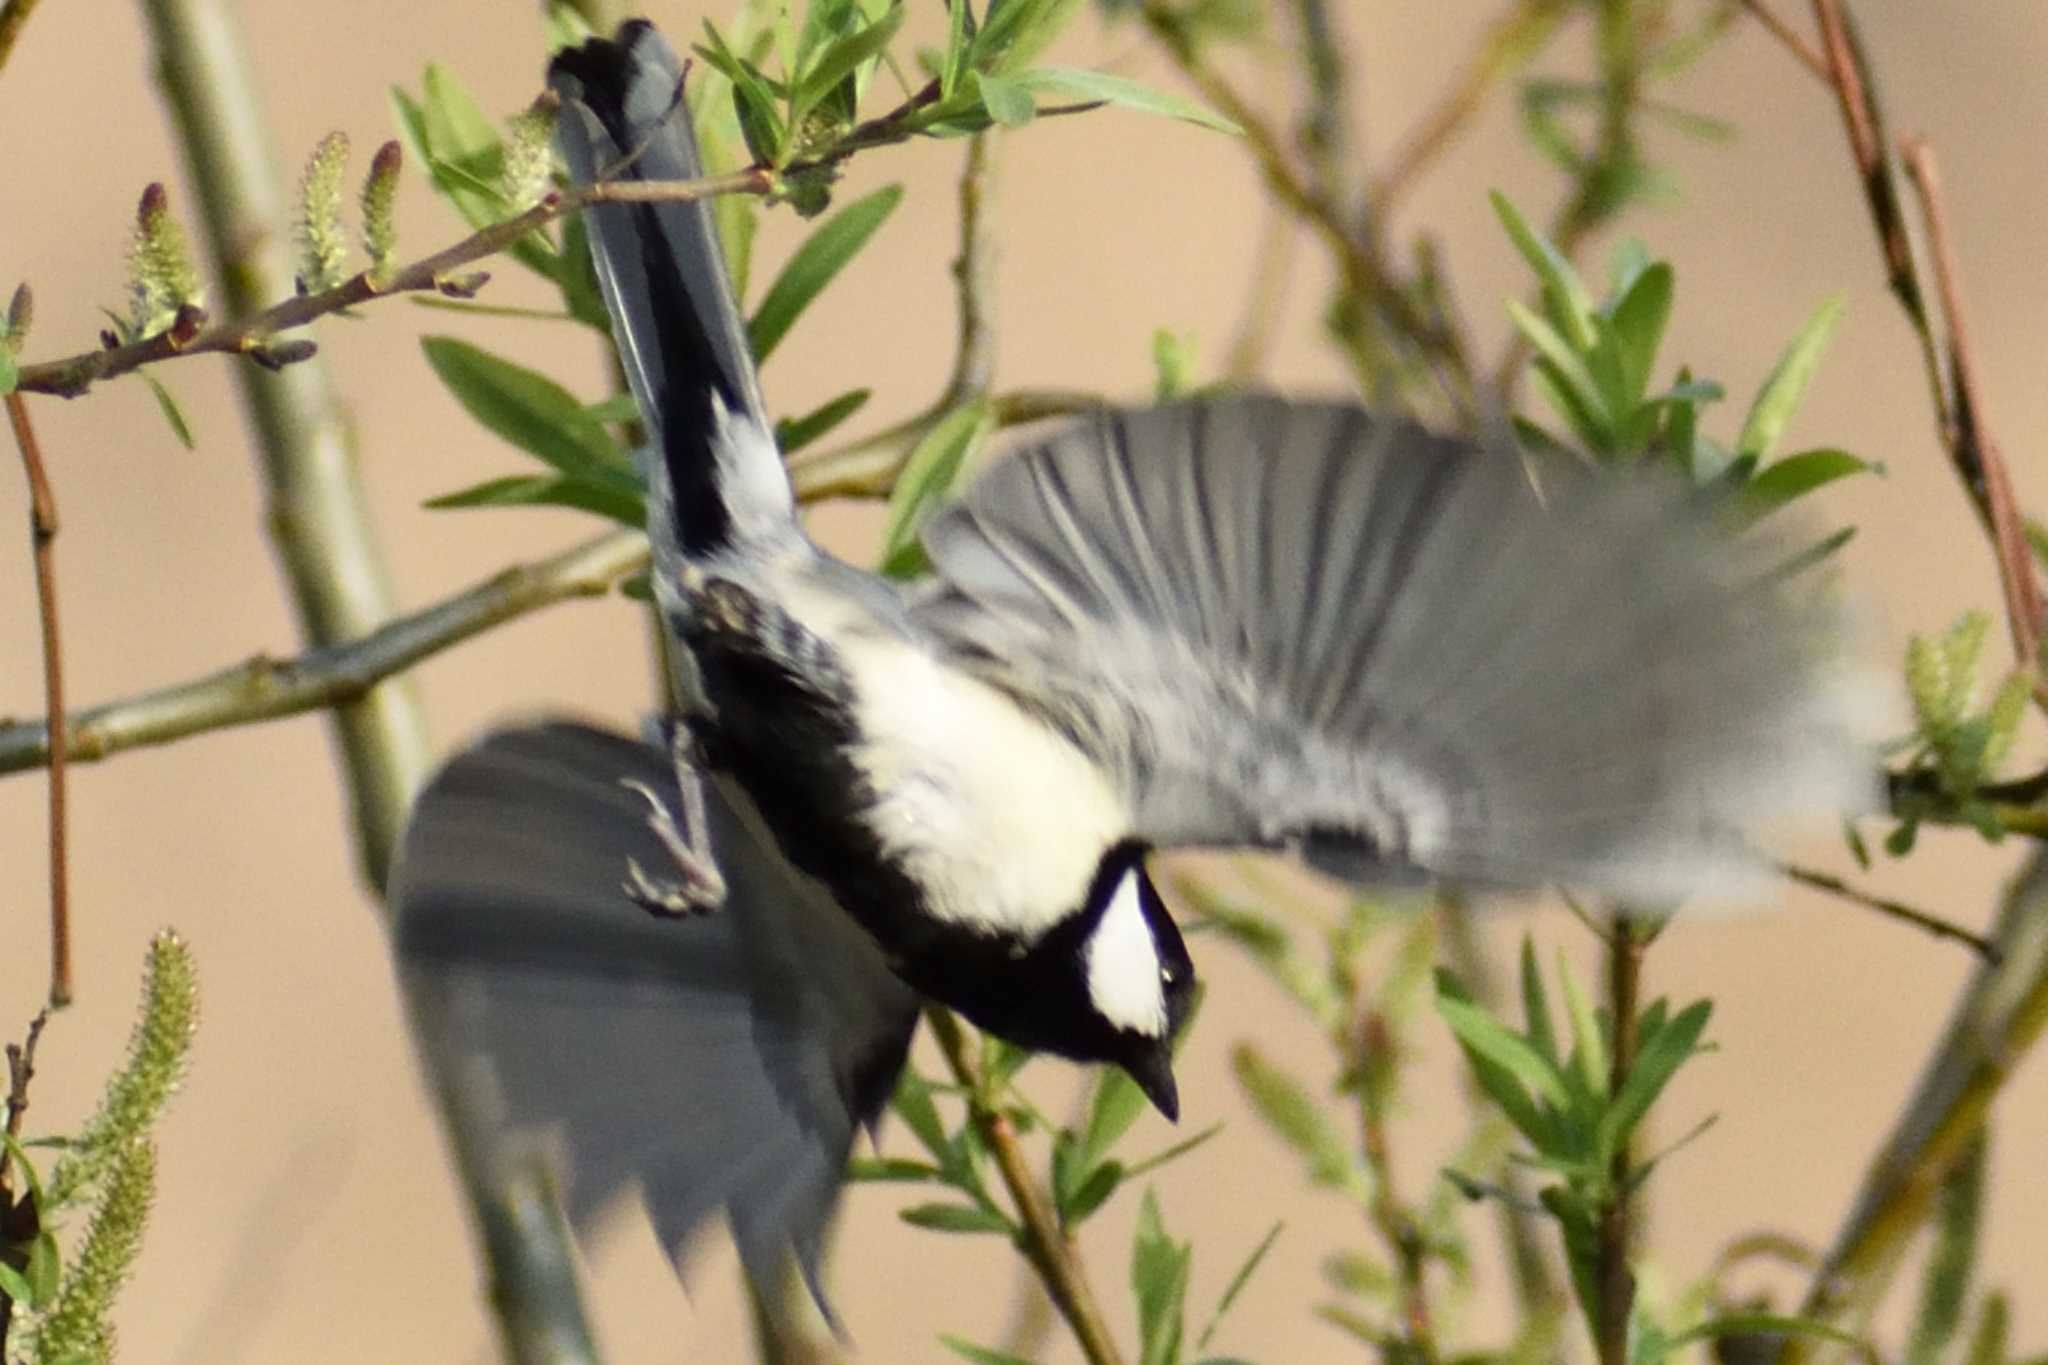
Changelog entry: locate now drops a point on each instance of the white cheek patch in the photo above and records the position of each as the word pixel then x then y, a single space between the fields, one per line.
pixel 1123 964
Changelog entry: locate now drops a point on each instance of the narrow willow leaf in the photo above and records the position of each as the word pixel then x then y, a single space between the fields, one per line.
pixel 822 256
pixel 1159 1277
pixel 928 475
pixel 980 1355
pixel 1588 1045
pixel 1588 411
pixel 548 490
pixel 1008 102
pixel 1988 1344
pixel 1016 31
pixel 10 374
pixel 173 414
pixel 913 1104
pixel 45 1268
pixel 1663 1052
pixel 16 1287
pixel 956 1218
pixel 1498 1081
pixel 1536 1005
pixel 1112 1109
pixel 1797 475
pixel 794 433
pixel 1075 83
pixel 891 1170
pixel 528 409
pixel 1493 1040
pixel 959 47
pixel 1570 306
pixel 753 99
pixel 1092 1194
pixel 1763 1324
pixel 1782 391
pixel 1639 320
pixel 1237 1283
pixel 1173 1153
pixel 1945 1284
pixel 843 59
pixel 1293 1113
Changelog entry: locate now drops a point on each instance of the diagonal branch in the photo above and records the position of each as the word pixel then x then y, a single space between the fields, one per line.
pixel 269 689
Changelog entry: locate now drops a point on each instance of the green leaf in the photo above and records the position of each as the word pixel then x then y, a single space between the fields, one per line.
pixel 822 256
pixel 1498 1080
pixel 959 47
pixel 1016 31
pixel 1945 1284
pixel 1094 1191
pixel 1588 1046
pixel 1112 1109
pixel 1290 1111
pixel 1238 1282
pixel 1173 1153
pixel 1173 362
pixel 16 1287
pixel 1565 297
pixel 1482 1033
pixel 913 1104
pixel 1639 320
pixel 753 100
pixel 842 59
pixel 891 1170
pixel 928 475
pixel 1159 1275
pixel 1786 386
pixel 169 406
pixel 1663 1052
pixel 1536 1005
pixel 549 490
pixel 1075 83
pixel 956 1218
pixel 1589 405
pixel 1797 475
pixel 794 433
pixel 1008 102
pixel 1994 1325
pixel 10 374
pixel 45 1268
pixel 1762 1324
pixel 529 410
pixel 980 1355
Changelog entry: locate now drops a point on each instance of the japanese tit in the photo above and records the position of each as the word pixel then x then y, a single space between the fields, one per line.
pixel 1233 622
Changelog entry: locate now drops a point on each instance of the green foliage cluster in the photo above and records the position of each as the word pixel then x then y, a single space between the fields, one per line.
pixel 61 1309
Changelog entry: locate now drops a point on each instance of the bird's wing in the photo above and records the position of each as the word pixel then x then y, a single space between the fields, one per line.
pixel 1295 623
pixel 719 1061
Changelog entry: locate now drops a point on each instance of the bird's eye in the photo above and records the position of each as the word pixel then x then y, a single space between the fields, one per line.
pixel 1166 975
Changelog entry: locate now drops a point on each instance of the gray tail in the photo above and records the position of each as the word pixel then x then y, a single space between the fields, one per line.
pixel 713 470
pixel 711 1062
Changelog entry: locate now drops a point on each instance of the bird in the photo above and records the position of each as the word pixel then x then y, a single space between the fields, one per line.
pixel 696 957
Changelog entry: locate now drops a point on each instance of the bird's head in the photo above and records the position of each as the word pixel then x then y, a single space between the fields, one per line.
pixel 1135 979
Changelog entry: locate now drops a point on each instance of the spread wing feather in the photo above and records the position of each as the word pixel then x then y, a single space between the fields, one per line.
pixel 716 1062
pixel 1284 622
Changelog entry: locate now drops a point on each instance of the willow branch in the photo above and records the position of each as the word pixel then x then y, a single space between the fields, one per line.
pixel 1794 42
pixel 1614 1285
pixel 1361 272
pixel 255 335
pixel 42 524
pixel 1051 1251
pixel 1894 909
pixel 1369 1044
pixel 263 689
pixel 1974 448
pixel 1998 1019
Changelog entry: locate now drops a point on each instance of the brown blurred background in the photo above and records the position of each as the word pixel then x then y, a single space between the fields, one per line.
pixel 307 1212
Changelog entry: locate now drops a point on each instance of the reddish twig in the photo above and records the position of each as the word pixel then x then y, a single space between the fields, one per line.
pixel 21 1069
pixel 1614 1284
pixel 1865 124
pixel 1892 909
pixel 1971 442
pixel 42 520
pixel 1795 43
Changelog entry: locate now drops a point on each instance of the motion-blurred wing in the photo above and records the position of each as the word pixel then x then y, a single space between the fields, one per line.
pixel 719 1061
pixel 1286 622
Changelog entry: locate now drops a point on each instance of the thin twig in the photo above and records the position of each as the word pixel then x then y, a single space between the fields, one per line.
pixel 21 1069
pixel 1794 41
pixel 256 334
pixel 1370 1044
pixel 1055 1256
pixel 1614 1285
pixel 268 689
pixel 1324 130
pixel 1975 448
pixel 1508 41
pixel 1898 910
pixel 13 17
pixel 1864 122
pixel 1362 274
pixel 42 522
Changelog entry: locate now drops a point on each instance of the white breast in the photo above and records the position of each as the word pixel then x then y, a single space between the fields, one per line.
pixel 1001 818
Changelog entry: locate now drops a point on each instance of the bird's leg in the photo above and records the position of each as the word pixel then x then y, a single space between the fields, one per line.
pixel 700 888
